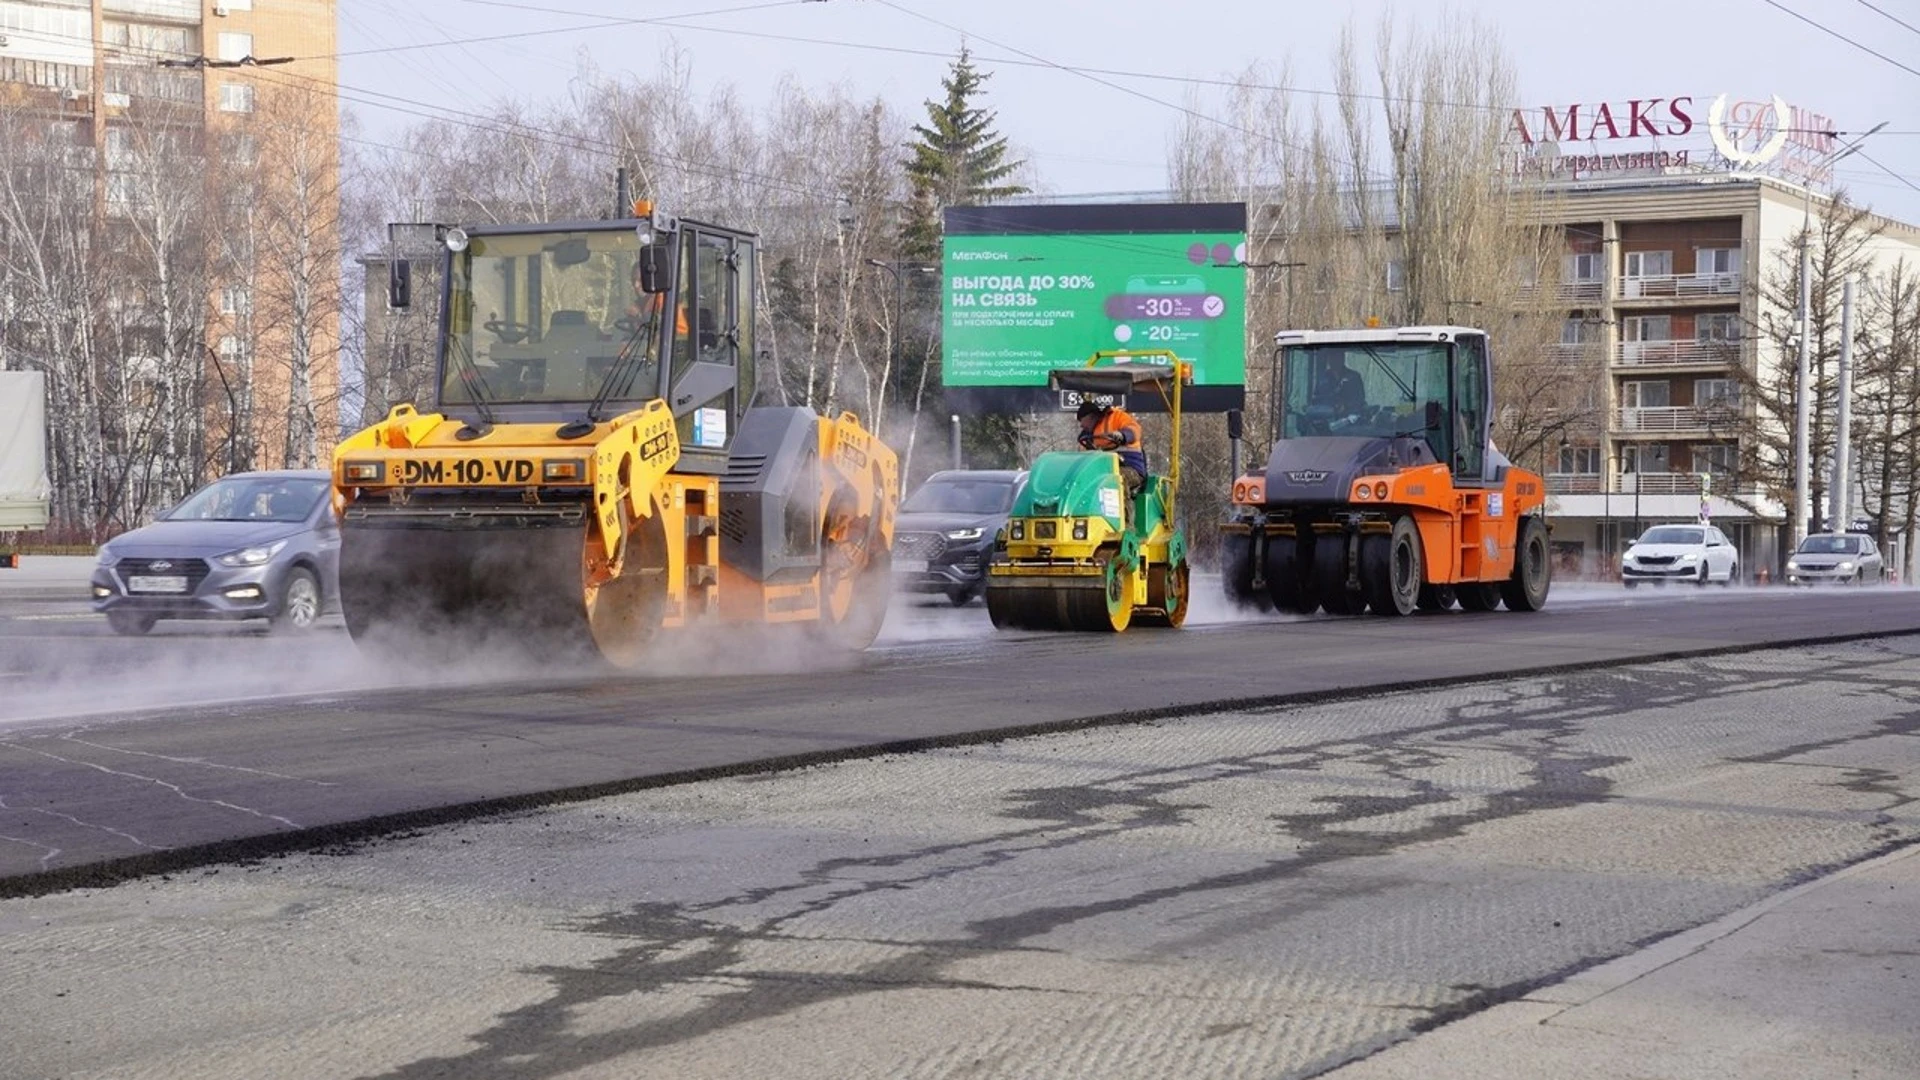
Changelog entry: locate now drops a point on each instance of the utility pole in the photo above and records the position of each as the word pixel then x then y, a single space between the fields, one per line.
pixel 1842 432
pixel 1802 406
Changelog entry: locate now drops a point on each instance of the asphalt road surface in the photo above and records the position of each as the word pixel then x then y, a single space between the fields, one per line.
pixel 123 757
pixel 1260 892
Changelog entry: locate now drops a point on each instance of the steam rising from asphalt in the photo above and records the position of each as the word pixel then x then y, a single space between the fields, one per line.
pixel 74 670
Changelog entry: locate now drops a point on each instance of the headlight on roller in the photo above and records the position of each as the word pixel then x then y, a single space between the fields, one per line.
pixel 564 471
pixel 363 472
pixel 1017 530
pixel 1079 528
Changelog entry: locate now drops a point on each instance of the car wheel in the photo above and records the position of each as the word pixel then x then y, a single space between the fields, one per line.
pixel 1628 582
pixel 961 596
pixel 1733 571
pixel 130 623
pixel 299 602
pixel 1702 579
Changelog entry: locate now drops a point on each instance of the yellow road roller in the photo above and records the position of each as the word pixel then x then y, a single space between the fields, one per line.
pixel 593 473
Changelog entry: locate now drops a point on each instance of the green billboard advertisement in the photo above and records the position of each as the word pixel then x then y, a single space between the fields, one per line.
pixel 1030 288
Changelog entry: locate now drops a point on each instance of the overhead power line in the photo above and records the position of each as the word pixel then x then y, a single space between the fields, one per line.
pixel 604 22
pixel 1825 29
pixel 1895 18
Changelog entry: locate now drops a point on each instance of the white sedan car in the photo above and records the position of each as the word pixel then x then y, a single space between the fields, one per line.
pixel 1839 558
pixel 1692 553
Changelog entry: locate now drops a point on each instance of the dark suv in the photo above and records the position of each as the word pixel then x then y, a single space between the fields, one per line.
pixel 943 540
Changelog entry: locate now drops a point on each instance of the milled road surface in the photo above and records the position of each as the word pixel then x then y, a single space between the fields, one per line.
pixel 1261 892
pixel 93 800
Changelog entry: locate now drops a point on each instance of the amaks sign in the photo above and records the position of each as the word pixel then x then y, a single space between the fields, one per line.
pixel 1746 133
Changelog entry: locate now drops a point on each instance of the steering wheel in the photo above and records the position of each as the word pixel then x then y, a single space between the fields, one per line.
pixel 627 325
pixel 508 331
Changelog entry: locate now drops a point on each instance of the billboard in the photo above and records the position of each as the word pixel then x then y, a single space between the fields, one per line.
pixel 1030 288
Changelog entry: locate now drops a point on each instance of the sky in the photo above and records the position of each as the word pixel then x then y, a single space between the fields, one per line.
pixel 1107 130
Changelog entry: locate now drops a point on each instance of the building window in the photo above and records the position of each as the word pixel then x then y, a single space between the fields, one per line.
pixel 234 5
pixel 235 46
pixel 1654 394
pixel 1646 328
pixel 229 347
pixel 1723 393
pixel 1643 264
pixel 1721 459
pixel 1718 326
pixel 236 97
pixel 1396 275
pixel 1584 460
pixel 1644 458
pixel 1582 267
pixel 233 300
pixel 1717 261
pixel 146 39
pixel 1579 331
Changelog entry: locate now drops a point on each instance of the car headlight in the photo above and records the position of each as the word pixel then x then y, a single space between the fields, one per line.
pixel 107 557
pixel 253 556
pixel 1845 566
pixel 1691 556
pixel 966 534
pixel 1793 564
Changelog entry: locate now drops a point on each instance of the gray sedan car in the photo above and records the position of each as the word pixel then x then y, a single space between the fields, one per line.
pixel 254 545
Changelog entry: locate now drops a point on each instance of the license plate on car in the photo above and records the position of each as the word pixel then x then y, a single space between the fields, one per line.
pixel 168 584
pixel 910 566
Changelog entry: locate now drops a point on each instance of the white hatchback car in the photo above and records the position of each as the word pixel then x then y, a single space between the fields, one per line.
pixel 1691 553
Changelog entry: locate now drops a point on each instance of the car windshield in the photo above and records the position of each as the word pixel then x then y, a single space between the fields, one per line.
pixel 252 498
pixel 960 497
pixel 1830 545
pixel 1674 534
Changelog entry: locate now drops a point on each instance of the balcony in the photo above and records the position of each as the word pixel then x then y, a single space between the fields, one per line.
pixel 1585 292
pixel 1677 353
pixel 1671 419
pixel 1581 353
pixel 1647 483
pixel 1679 286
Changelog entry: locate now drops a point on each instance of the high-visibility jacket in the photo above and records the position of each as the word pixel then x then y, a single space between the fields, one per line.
pixel 1119 432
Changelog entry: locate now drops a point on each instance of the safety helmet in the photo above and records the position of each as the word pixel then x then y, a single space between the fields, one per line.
pixel 1088 408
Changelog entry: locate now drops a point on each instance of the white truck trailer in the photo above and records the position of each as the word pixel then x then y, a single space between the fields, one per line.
pixel 24 489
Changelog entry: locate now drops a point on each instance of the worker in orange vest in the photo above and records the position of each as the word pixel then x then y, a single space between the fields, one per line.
pixel 1105 428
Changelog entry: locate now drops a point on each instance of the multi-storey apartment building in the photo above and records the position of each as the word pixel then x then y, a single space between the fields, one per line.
pixel 1663 287
pixel 151 94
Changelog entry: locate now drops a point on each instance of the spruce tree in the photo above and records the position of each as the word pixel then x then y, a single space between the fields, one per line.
pixel 957 158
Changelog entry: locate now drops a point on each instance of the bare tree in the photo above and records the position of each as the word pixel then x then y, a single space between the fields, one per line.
pixel 1392 203
pixel 1886 429
pixel 1837 242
